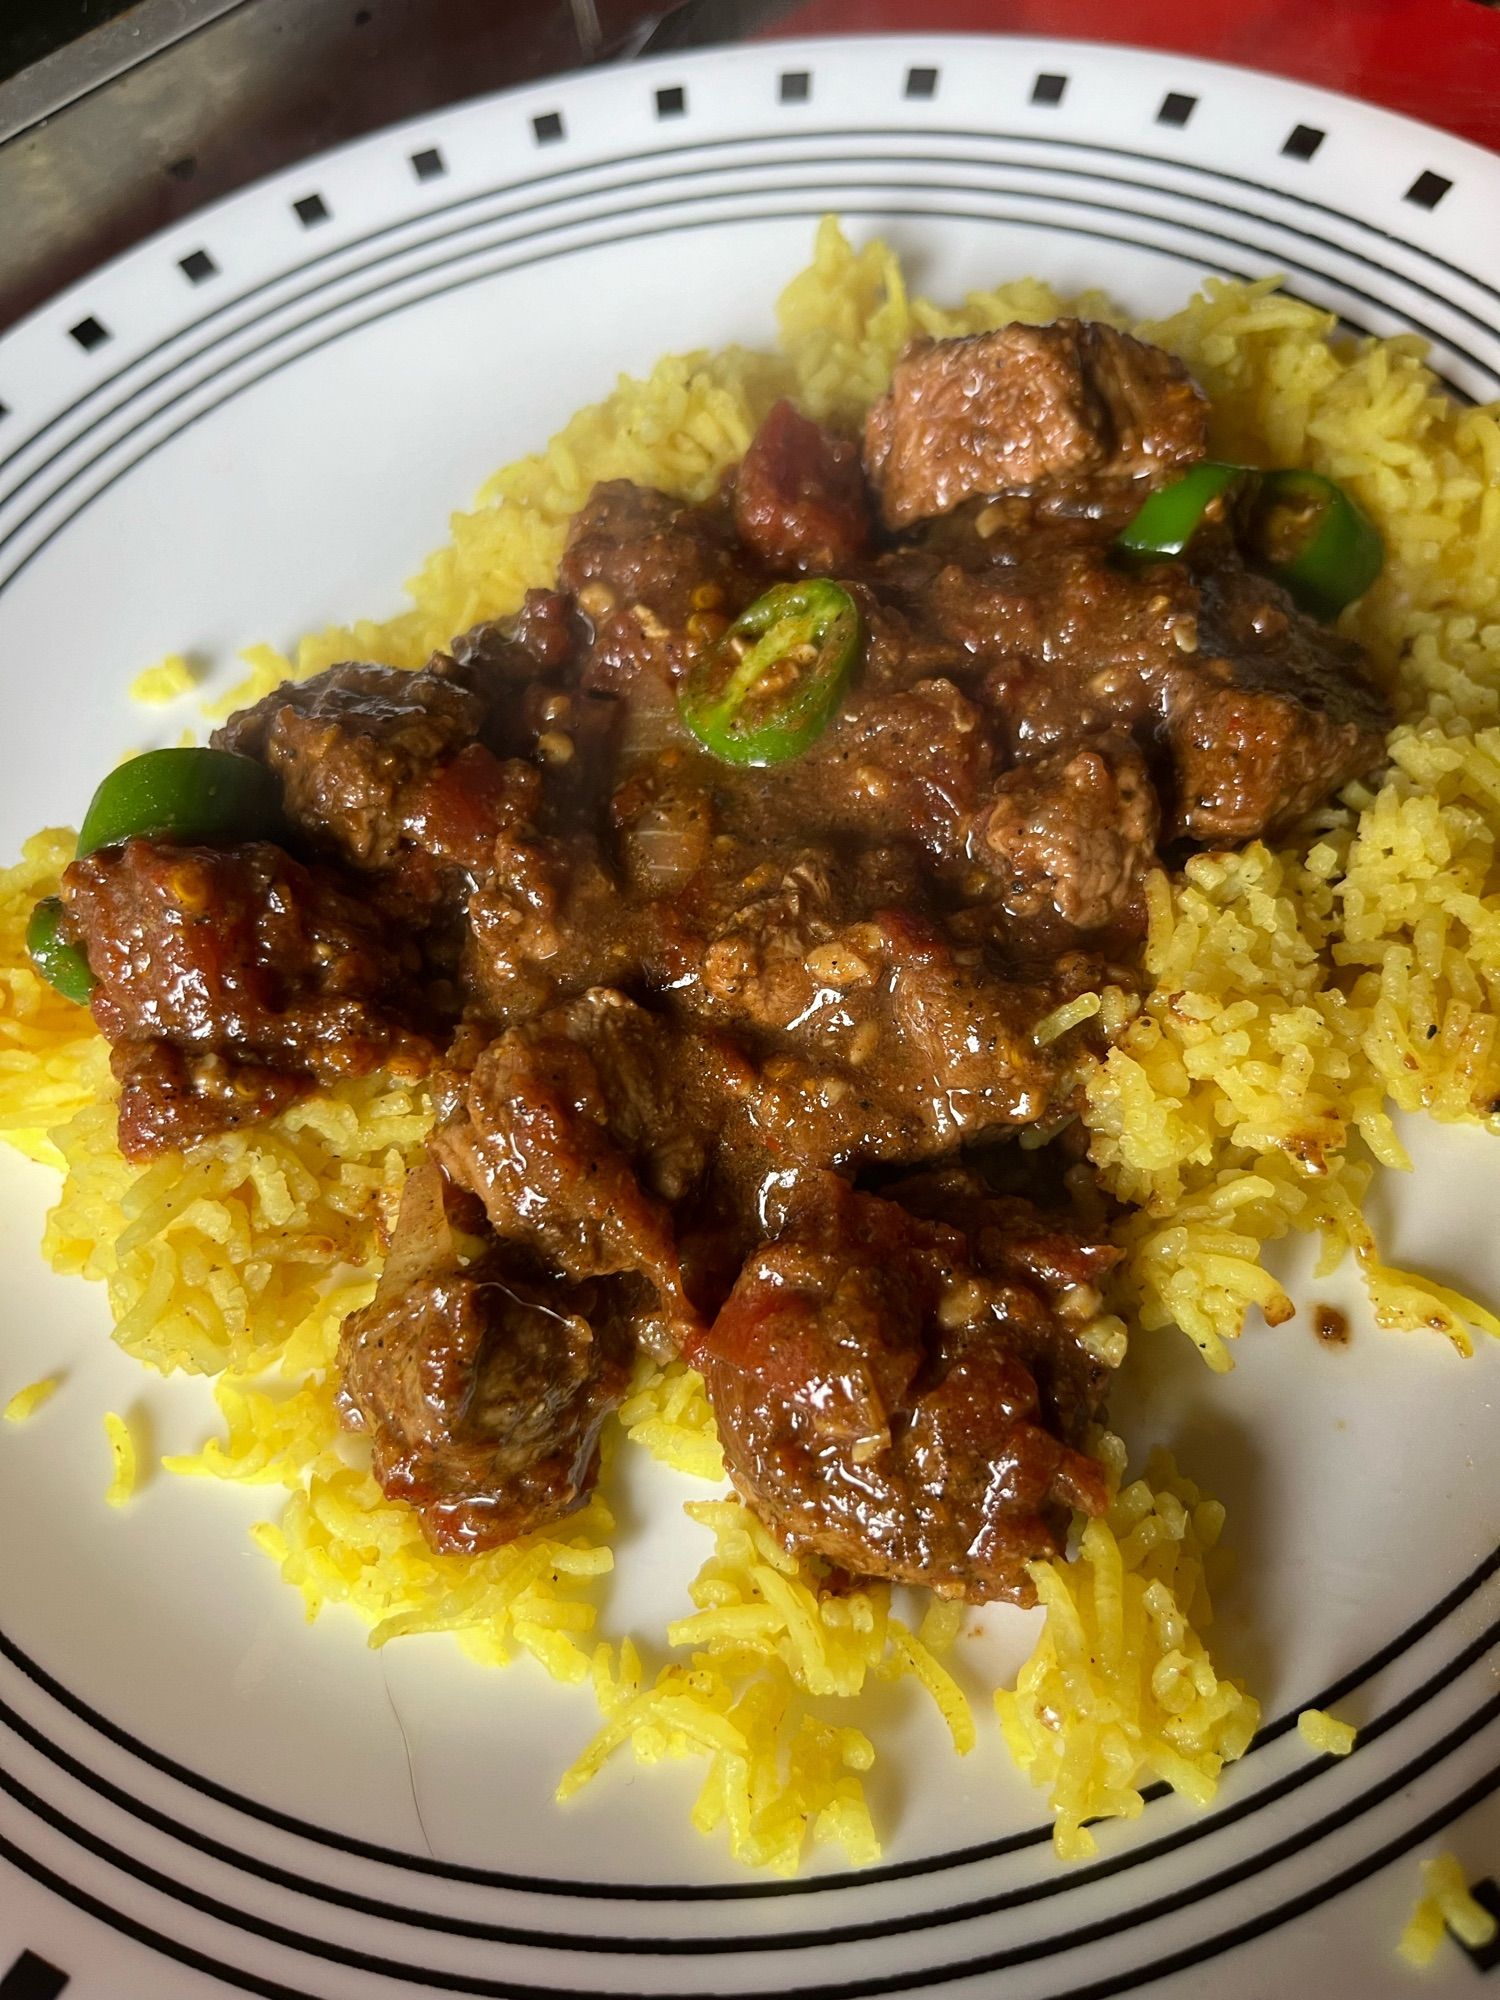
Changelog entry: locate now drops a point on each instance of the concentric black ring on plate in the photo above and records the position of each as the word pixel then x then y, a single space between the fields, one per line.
pixel 1042 145
pixel 1137 1855
pixel 445 279
pixel 433 1980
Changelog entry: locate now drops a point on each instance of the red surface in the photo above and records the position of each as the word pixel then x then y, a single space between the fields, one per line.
pixel 1433 59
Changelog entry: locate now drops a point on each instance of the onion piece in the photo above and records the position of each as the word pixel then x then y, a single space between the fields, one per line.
pixel 422 1241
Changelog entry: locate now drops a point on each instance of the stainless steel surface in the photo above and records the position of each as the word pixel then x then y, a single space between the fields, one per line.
pixel 180 101
pixel 94 58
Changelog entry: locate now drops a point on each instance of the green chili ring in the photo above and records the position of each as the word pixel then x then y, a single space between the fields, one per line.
pixel 61 964
pixel 766 690
pixel 1305 532
pixel 1301 529
pixel 212 796
pixel 1168 519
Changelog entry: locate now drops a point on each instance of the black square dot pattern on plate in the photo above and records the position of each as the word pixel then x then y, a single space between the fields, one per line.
pixel 796 86
pixel 1485 1956
pixel 32 1978
pixel 311 209
pixel 1427 190
pixel 921 83
pixel 1302 142
pixel 548 126
pixel 89 334
pixel 1048 88
pixel 1176 108
pixel 429 164
pixel 671 101
pixel 196 266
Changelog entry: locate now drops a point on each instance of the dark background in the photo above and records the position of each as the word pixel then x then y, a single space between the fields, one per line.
pixel 30 29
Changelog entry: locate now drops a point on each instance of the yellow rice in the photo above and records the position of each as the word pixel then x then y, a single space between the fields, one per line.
pixel 123 1462
pixel 1324 1734
pixel 1447 1905
pixel 25 1403
pixel 1122 1661
pixel 1298 996
pixel 171 677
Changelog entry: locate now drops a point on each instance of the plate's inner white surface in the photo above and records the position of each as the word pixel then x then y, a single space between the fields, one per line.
pixel 1359 1482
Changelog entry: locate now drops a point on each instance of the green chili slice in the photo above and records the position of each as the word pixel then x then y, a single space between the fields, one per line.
pixel 60 963
pixel 1306 532
pixel 192 795
pixel 1167 521
pixel 769 687
pixel 1300 528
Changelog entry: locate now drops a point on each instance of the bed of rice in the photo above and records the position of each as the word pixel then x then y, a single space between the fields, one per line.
pixel 1297 996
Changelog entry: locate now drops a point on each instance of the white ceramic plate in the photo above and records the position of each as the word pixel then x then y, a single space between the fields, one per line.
pixel 258 423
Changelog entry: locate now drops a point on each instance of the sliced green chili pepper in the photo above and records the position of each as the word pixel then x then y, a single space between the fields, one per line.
pixel 1307 533
pixel 1166 523
pixel 1299 527
pixel 207 795
pixel 770 685
pixel 61 964
pixel 191 794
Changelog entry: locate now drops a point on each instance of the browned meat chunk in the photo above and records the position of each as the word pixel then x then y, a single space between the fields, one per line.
pixel 1072 835
pixel 1007 411
pixel 879 1038
pixel 582 1130
pixel 545 923
pixel 659 580
pixel 483 1398
pixel 908 1398
pixel 961 1062
pixel 901 764
pixel 546 630
pixel 1276 715
pixel 170 1099
pixel 1255 710
pixel 541 639
pixel 799 496
pixel 246 963
pixel 347 746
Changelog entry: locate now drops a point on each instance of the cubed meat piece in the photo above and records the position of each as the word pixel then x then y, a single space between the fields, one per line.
pixel 483 1396
pixel 958 1055
pixel 545 922
pixel 1275 715
pixel 580 1131
pixel 547 630
pixel 879 1038
pixel 170 1098
pixel 905 764
pixel 1259 711
pixel 799 496
pixel 369 763
pixel 1010 411
pixel 253 967
pixel 878 1377
pixel 1072 836
pixel 658 579
pixel 543 638
pixel 1069 643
